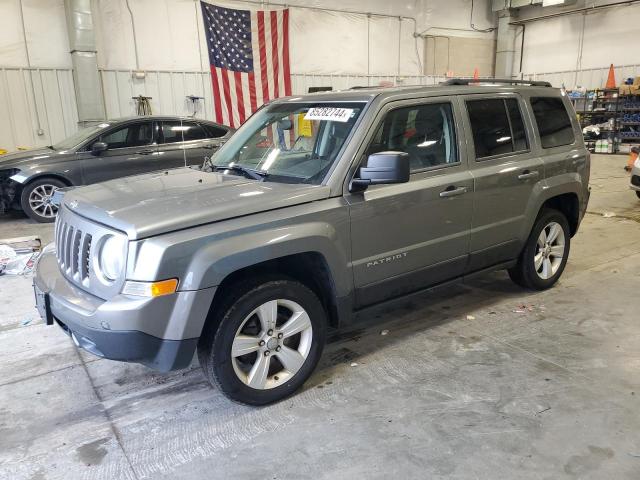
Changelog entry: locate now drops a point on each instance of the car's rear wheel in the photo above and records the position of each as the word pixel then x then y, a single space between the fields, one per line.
pixel 36 199
pixel 545 254
pixel 268 341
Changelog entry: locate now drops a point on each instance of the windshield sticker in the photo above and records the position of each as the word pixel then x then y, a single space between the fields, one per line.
pixel 329 113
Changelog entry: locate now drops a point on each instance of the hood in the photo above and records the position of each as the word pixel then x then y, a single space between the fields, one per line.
pixel 18 159
pixel 151 204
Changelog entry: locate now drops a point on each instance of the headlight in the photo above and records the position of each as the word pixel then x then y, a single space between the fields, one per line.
pixel 110 258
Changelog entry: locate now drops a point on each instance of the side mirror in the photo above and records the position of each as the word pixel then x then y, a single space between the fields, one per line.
pixel 382 168
pixel 98 147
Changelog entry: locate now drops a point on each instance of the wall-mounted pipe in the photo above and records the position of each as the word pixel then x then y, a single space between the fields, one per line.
pixel 135 41
pixel 39 130
pixel 351 12
pixel 593 8
pixel 82 42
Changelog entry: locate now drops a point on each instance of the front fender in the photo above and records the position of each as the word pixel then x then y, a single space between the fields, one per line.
pixel 24 176
pixel 211 264
pixel 203 257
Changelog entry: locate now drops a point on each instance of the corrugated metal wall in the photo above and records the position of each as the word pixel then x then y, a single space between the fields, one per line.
pixel 33 100
pixel 589 78
pixel 56 115
pixel 170 89
pixel 38 107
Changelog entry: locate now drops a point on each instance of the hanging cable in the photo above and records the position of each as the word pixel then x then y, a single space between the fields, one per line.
pixel 143 106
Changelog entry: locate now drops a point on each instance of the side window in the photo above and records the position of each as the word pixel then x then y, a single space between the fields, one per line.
pixel 553 121
pixel 135 135
pixel 497 127
pixel 173 132
pixel 425 132
pixel 211 131
pixel 490 126
pixel 519 133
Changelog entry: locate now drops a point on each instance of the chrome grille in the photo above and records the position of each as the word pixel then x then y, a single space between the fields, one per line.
pixel 76 239
pixel 73 250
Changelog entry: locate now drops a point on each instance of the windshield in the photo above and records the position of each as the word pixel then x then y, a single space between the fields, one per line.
pixel 291 142
pixel 80 136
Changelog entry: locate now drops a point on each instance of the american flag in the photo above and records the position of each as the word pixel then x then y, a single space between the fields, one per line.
pixel 249 59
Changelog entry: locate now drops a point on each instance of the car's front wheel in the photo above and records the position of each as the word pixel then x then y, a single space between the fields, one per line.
pixel 638 193
pixel 545 254
pixel 268 340
pixel 36 199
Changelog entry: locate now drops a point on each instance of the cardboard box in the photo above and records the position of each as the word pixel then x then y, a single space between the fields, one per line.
pixel 625 89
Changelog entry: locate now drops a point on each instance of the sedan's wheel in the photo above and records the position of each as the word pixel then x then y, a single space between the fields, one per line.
pixel 36 199
pixel 544 256
pixel 268 341
pixel 638 193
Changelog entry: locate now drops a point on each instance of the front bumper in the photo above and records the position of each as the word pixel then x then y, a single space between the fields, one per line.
pixel 161 333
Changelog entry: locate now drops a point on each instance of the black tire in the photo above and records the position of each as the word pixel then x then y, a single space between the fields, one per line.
pixel 214 347
pixel 27 191
pixel 638 193
pixel 524 272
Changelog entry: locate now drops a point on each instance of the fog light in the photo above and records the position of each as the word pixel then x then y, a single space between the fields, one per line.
pixel 150 289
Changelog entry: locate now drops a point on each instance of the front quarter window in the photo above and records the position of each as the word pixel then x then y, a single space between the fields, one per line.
pixel 292 142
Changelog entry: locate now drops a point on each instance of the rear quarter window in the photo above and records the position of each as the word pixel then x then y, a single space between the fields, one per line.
pixel 554 123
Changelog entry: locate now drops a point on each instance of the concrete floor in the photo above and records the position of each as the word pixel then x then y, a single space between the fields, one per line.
pixel 484 381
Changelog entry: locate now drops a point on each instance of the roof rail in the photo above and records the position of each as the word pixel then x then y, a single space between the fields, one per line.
pixel 467 81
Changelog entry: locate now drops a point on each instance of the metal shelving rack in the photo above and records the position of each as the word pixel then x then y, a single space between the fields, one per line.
pixel 624 109
pixel 599 106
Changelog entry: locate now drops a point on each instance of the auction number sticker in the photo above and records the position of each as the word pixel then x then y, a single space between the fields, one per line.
pixel 329 113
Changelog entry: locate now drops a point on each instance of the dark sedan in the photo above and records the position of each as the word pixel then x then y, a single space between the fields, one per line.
pixel 114 148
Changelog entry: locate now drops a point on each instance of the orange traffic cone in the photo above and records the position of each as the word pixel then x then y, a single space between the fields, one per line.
pixel 476 74
pixel 611 79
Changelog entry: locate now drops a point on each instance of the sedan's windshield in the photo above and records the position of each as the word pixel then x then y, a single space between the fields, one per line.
pixel 291 142
pixel 80 136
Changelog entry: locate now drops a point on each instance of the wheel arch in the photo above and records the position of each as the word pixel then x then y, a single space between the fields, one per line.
pixel 296 266
pixel 565 197
pixel 40 176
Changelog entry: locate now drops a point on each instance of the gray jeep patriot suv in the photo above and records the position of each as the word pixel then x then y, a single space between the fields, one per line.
pixel 318 207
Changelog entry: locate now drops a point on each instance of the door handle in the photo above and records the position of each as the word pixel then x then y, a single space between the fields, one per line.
pixel 528 174
pixel 452 191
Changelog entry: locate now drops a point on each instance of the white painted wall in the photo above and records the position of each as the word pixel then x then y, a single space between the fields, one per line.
pixel 167 33
pixel 581 44
pixel 327 48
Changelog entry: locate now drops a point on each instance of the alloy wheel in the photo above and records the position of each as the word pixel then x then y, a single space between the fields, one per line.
pixel 40 200
pixel 550 250
pixel 271 344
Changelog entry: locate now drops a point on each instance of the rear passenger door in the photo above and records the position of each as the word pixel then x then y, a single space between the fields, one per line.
pixel 183 143
pixel 412 235
pixel 505 169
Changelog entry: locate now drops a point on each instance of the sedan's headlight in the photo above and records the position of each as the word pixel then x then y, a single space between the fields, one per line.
pixel 110 258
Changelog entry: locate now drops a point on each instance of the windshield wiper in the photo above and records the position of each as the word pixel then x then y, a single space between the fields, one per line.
pixel 247 172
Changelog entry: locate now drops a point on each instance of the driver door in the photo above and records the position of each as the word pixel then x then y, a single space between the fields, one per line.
pixel 408 236
pixel 131 150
